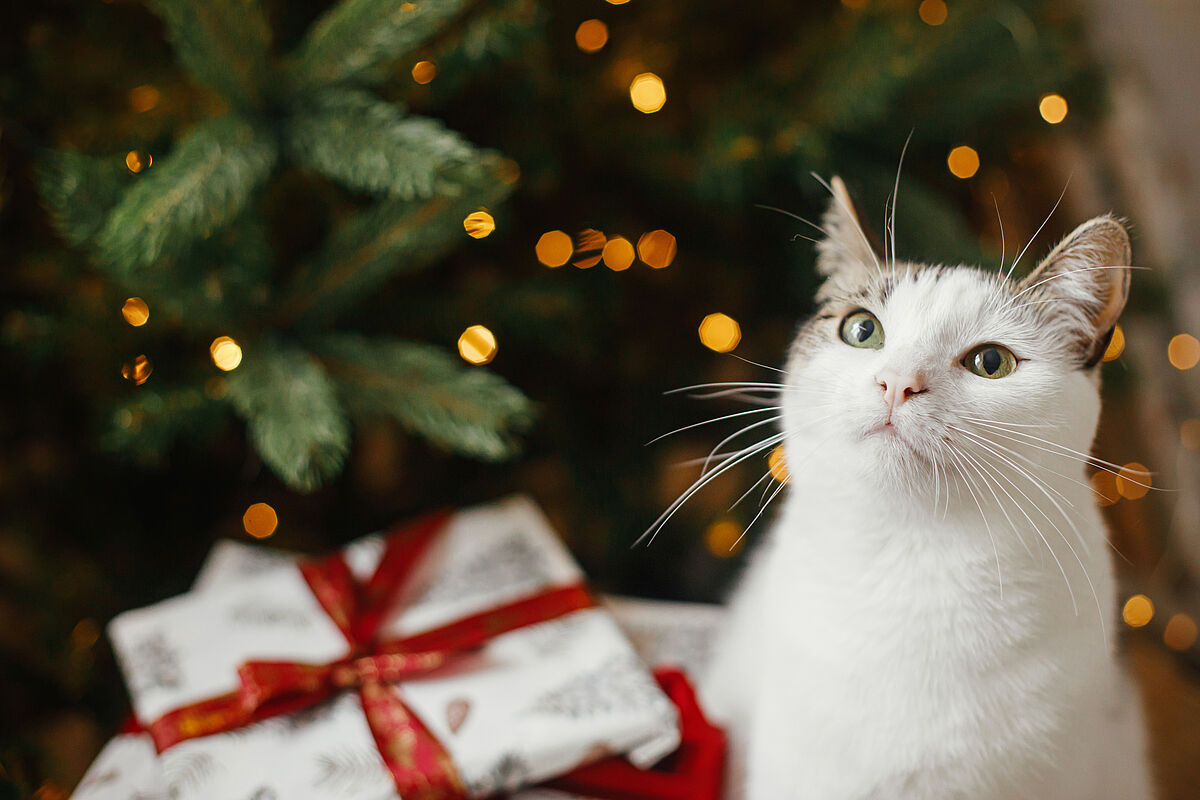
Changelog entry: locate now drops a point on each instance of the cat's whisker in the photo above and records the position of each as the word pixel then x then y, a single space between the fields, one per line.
pixel 896 193
pixel 710 421
pixel 762 385
pixel 1033 238
pixel 814 225
pixel 980 470
pixel 1072 273
pixel 999 222
pixel 714 452
pixel 753 486
pixel 849 212
pixel 987 526
pixel 774 494
pixel 1014 424
pixel 757 364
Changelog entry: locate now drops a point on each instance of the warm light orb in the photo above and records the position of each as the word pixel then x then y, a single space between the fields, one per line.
pixel 226 353
pixel 1183 351
pixel 260 520
pixel 647 93
pixel 932 12
pixel 723 538
pixel 144 98
pixel 85 634
pixel 479 224
pixel 720 332
pixel 1180 633
pixel 617 2
pixel 135 311
pixel 1138 611
pixel 554 248
pixel 618 254
pixel 424 71
pixel 963 162
pixel 589 245
pixel 1133 481
pixel 1189 434
pixel 1053 108
pixel 656 249
pixel 138 371
pixel 1116 345
pixel 137 161
pixel 591 35
pixel 1105 486
pixel 777 463
pixel 477 345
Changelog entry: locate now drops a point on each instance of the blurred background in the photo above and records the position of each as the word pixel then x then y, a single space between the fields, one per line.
pixel 296 270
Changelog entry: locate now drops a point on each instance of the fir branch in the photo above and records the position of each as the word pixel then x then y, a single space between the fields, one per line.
pixel 465 409
pixel 292 413
pixel 200 186
pixel 355 38
pixel 369 145
pixel 224 44
pixel 79 191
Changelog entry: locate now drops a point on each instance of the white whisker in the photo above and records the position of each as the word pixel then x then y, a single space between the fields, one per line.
pixel 710 421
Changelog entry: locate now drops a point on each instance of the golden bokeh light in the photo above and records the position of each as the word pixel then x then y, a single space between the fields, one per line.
pixel 589 245
pixel 477 345
pixel 1133 481
pixel 1053 108
pixel 1180 633
pixel 720 332
pixel 424 71
pixel 656 249
pixel 479 224
pixel 963 162
pixel 144 98
pixel 137 371
pixel 617 2
pixel 226 353
pixel 723 538
pixel 1189 433
pixel 1116 345
pixel 1138 611
pixel 618 254
pixel 85 634
pixel 1183 351
pixel 647 92
pixel 1105 484
pixel 137 161
pixel 554 248
pixel 260 520
pixel 591 35
pixel 777 463
pixel 135 311
pixel 932 12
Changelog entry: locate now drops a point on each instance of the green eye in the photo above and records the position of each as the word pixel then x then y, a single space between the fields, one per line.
pixel 990 361
pixel 862 329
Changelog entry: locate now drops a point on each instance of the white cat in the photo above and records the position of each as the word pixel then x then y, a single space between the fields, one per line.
pixel 933 613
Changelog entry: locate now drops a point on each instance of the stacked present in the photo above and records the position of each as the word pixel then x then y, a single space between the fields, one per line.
pixel 460 656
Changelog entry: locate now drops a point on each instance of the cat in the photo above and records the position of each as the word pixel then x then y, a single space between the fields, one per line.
pixel 933 613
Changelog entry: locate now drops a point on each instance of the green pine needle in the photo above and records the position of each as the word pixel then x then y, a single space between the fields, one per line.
pixel 80 190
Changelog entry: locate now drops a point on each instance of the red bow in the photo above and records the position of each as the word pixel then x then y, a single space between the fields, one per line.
pixel 418 762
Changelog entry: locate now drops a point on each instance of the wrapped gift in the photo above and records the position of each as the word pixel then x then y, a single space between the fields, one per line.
pixel 457 657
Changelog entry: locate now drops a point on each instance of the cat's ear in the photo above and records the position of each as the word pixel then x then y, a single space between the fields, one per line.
pixel 845 256
pixel 1087 277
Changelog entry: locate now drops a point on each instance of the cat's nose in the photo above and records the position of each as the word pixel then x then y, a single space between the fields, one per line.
pixel 899 386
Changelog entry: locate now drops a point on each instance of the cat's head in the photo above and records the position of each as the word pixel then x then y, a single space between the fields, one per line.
pixel 906 364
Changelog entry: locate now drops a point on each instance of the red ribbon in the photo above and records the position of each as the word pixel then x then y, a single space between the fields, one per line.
pixel 419 764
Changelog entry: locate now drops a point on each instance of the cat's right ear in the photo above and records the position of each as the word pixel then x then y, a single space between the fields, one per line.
pixel 845 256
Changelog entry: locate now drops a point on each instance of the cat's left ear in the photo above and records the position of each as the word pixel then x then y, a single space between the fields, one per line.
pixel 1089 272
pixel 846 256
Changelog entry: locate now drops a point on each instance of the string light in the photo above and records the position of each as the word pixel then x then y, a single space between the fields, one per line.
pixel 1116 345
pixel 618 254
pixel 1105 485
pixel 1138 611
pixel 477 345
pixel 932 12
pixel 723 538
pixel 656 249
pixel 260 520
pixel 589 241
pixel 1189 434
pixel 963 162
pixel 1180 633
pixel 777 463
pixel 226 353
pixel 1133 481
pixel 720 332
pixel 144 98
pixel 1053 108
pixel 617 2
pixel 137 161
pixel 424 71
pixel 554 248
pixel 479 224
pixel 138 371
pixel 591 35
pixel 135 311
pixel 1183 351
pixel 647 92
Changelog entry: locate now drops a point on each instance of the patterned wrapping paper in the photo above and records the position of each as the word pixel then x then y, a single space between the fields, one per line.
pixel 533 704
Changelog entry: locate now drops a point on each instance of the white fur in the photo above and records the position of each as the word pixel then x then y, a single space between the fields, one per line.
pixel 886 641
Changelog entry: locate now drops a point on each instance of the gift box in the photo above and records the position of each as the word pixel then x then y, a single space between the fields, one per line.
pixel 458 657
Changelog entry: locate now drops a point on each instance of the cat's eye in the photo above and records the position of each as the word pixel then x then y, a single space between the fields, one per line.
pixel 862 329
pixel 990 361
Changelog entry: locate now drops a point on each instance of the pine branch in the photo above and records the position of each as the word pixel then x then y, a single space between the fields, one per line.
pixel 292 414
pixel 369 145
pixel 356 38
pixel 79 191
pixel 144 427
pixel 465 409
pixel 201 185
pixel 224 44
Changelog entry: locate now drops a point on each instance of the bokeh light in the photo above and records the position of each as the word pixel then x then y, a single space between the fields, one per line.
pixel 144 98
pixel 135 311
pixel 963 162
pixel 932 12
pixel 424 71
pixel 138 370
pixel 85 634
pixel 723 538
pixel 260 520
pixel 477 345
pixel 1053 108
pixel 1133 481
pixel 1116 345
pixel 591 35
pixel 1180 633
pixel 137 161
pixel 656 249
pixel 777 463
pixel 1105 484
pixel 226 353
pixel 1189 434
pixel 647 93
pixel 554 248
pixel 618 254
pixel 1138 611
pixel 479 224
pixel 720 332
pixel 589 246
pixel 1183 351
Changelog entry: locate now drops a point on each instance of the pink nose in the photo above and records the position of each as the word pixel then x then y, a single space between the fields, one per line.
pixel 899 386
